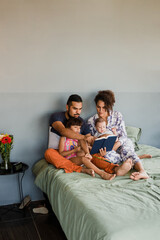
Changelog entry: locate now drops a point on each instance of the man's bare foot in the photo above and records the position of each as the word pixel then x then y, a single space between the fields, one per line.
pixel 107 176
pixel 139 175
pixel 88 171
pixel 145 156
pixel 124 168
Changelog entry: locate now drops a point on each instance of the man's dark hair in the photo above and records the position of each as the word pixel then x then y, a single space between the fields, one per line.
pixel 73 121
pixel 73 98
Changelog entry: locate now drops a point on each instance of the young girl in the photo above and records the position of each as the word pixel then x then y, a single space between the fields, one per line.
pixel 77 150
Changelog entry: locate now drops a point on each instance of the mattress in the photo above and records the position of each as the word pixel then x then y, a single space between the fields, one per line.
pixel 95 209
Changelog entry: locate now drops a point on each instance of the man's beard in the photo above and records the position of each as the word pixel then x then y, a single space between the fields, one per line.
pixel 77 115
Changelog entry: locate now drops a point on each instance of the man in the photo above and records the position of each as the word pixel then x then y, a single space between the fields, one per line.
pixel 58 122
pixel 58 129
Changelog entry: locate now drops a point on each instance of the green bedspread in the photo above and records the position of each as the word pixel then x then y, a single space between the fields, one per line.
pixel 94 209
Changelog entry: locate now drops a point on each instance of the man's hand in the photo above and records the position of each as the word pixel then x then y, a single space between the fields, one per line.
pixel 89 139
pixel 88 155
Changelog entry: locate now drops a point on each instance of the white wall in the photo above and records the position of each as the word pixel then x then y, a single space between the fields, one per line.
pixel 53 48
pixel 54 44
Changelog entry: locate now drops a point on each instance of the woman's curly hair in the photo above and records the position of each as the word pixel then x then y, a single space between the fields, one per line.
pixel 107 96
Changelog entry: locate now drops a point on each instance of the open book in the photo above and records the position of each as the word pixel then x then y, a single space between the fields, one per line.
pixel 107 142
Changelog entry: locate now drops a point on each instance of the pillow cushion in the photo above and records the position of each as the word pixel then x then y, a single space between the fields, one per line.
pixel 134 134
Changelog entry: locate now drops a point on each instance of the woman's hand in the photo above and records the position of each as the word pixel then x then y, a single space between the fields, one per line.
pixel 114 130
pixel 103 151
pixel 116 145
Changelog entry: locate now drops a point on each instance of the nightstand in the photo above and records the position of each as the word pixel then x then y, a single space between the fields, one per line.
pixel 20 173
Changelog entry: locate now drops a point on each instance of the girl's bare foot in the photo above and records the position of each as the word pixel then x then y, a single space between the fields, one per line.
pixel 145 156
pixel 107 176
pixel 88 171
pixel 139 175
pixel 124 168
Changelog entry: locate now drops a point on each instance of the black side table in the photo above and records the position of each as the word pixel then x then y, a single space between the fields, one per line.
pixel 20 173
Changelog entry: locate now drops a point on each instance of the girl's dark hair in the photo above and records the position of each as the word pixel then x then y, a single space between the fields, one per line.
pixel 107 96
pixel 73 121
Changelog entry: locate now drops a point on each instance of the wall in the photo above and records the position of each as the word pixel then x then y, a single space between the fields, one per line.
pixel 50 49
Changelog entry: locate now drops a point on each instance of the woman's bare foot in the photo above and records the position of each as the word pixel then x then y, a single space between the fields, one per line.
pixel 145 156
pixel 88 171
pixel 107 176
pixel 124 168
pixel 139 175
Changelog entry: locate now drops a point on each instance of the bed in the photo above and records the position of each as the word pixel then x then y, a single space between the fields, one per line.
pixel 94 209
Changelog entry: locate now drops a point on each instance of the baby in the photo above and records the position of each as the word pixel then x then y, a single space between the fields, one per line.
pixel 102 131
pixel 112 155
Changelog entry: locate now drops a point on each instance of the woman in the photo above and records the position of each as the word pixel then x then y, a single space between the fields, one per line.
pixel 104 104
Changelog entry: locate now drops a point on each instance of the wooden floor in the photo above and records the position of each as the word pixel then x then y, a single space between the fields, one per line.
pixel 18 224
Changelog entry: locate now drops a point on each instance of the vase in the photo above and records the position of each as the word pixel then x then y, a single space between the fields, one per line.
pixel 6 164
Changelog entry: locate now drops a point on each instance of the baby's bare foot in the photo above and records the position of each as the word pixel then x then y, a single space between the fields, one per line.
pixel 124 168
pixel 88 171
pixel 107 176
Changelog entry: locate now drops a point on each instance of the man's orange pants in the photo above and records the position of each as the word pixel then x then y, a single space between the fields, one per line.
pixel 52 156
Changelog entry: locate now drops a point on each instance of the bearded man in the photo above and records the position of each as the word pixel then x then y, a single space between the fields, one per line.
pixel 57 125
